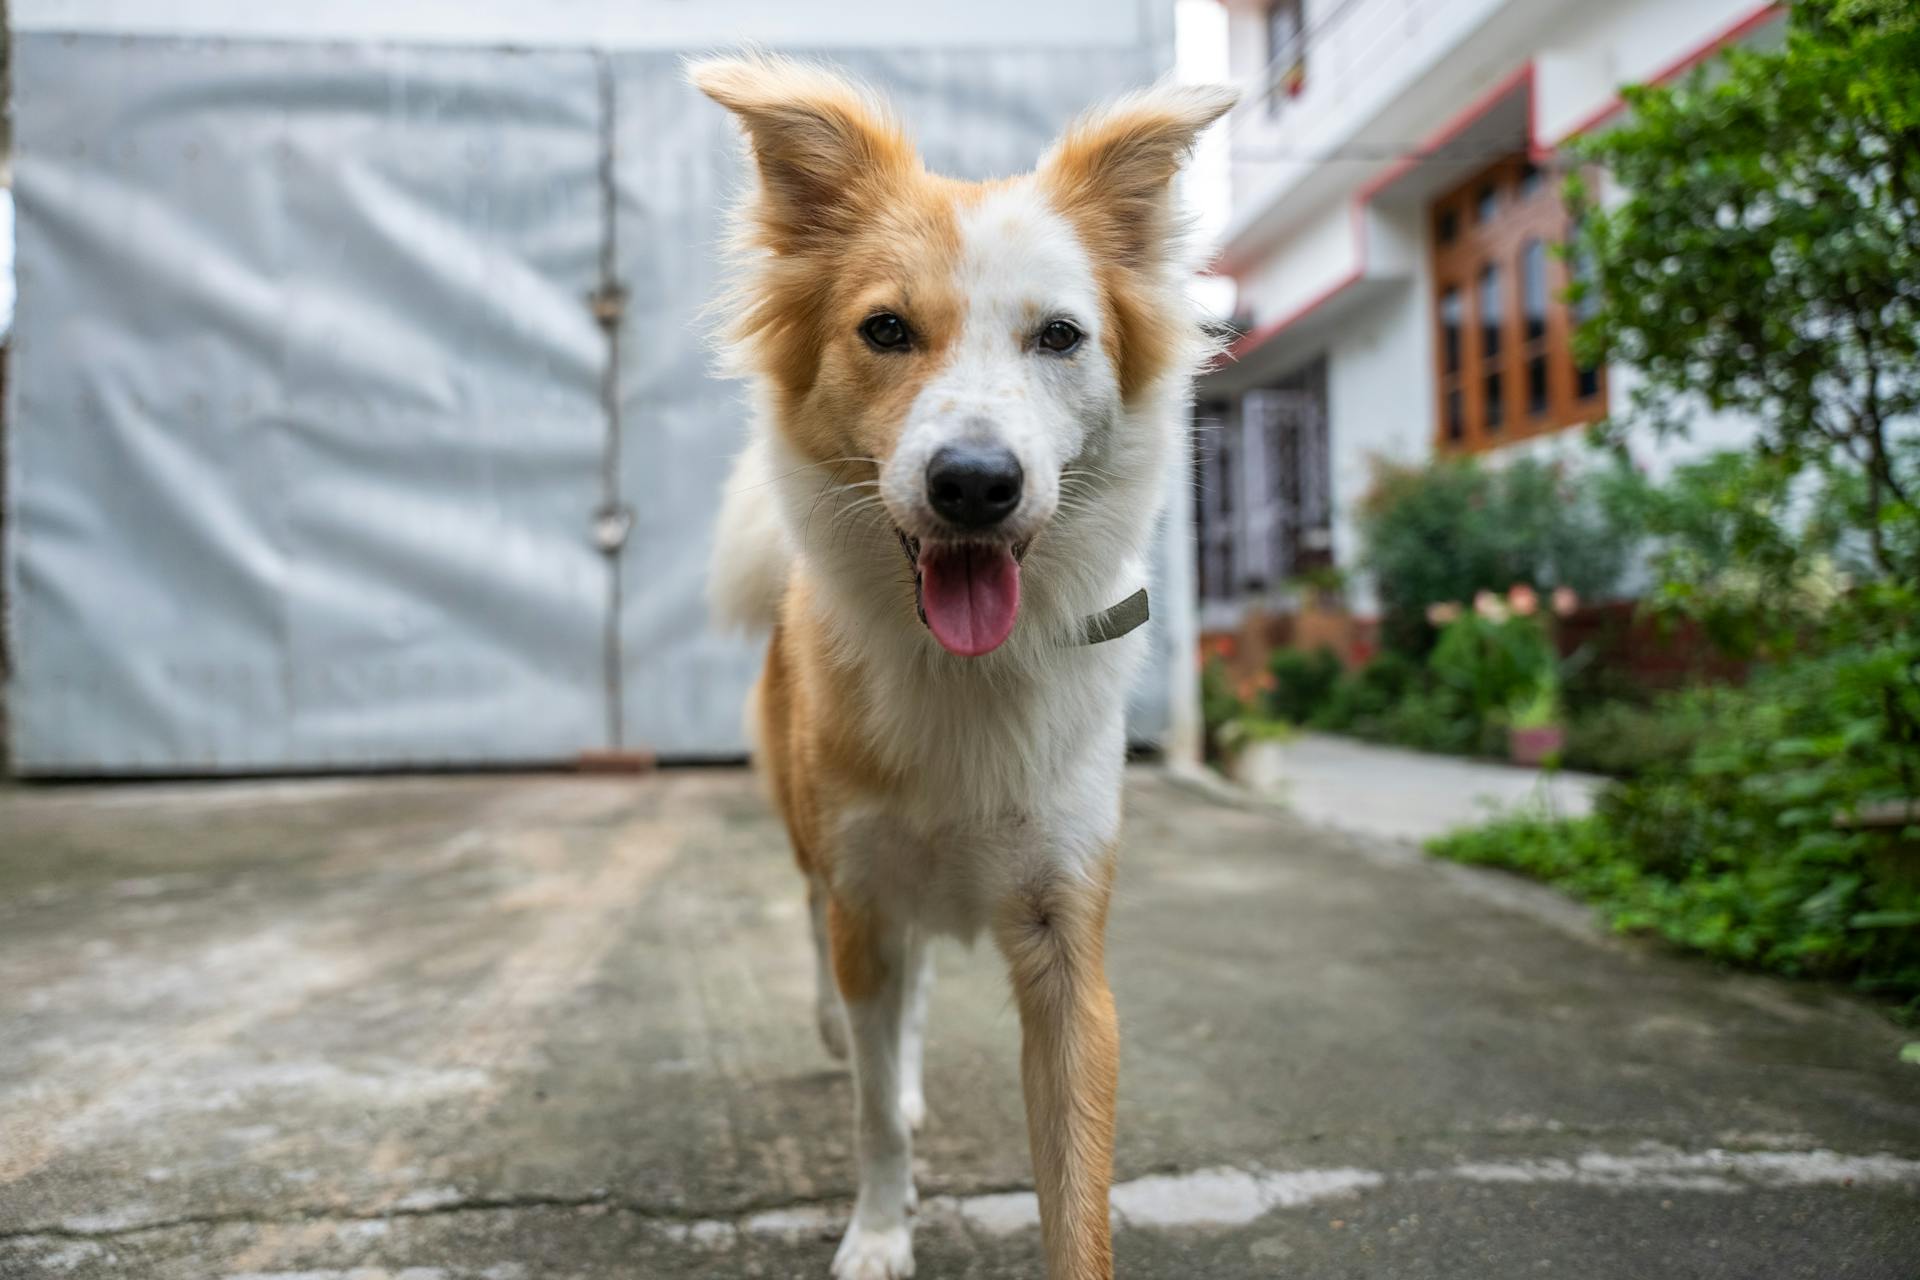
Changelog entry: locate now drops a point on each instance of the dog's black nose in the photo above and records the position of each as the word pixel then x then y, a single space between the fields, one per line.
pixel 974 485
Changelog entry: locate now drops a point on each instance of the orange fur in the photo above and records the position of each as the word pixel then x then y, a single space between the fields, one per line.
pixel 811 748
pixel 1111 176
pixel 1054 939
pixel 859 963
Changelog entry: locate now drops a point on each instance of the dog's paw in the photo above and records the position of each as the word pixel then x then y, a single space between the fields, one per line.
pixel 913 1109
pixel 833 1029
pixel 874 1255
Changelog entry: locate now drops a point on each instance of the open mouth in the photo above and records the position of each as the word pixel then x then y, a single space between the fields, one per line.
pixel 968 593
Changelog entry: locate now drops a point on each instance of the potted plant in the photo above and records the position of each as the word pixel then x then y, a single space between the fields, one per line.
pixel 1536 730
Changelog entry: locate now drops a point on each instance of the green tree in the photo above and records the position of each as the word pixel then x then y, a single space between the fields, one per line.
pixel 1765 254
pixel 1764 257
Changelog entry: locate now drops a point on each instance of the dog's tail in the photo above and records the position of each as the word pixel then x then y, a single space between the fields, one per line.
pixel 752 555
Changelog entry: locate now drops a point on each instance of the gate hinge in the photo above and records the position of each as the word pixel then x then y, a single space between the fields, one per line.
pixel 611 525
pixel 609 303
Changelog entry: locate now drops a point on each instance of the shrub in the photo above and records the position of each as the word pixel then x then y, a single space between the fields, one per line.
pixel 1761 260
pixel 1219 704
pixel 1627 739
pixel 1733 848
pixel 1492 659
pixel 1431 719
pixel 1451 528
pixel 1302 683
pixel 1369 693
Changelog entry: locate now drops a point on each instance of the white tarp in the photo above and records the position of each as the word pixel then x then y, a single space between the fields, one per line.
pixel 311 419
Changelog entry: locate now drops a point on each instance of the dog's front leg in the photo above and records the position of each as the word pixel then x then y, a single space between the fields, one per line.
pixel 874 966
pixel 1053 932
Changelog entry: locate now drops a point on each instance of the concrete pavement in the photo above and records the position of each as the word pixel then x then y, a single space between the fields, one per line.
pixel 516 1028
pixel 1387 791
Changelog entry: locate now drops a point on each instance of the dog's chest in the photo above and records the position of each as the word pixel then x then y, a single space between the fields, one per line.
pixel 1007 793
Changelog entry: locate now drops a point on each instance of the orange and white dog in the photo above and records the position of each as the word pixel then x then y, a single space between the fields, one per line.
pixel 969 395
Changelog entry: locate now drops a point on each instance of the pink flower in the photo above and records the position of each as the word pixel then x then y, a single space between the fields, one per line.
pixel 1441 613
pixel 1565 601
pixel 1490 606
pixel 1523 599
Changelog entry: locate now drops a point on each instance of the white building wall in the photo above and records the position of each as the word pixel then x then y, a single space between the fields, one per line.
pixel 1321 239
pixel 1380 399
pixel 1596 48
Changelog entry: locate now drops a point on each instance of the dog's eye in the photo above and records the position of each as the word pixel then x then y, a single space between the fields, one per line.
pixel 886 332
pixel 1059 337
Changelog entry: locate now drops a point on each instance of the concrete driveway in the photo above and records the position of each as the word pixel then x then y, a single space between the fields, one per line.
pixel 531 1027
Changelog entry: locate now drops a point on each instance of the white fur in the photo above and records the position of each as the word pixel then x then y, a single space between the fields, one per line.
pixel 752 554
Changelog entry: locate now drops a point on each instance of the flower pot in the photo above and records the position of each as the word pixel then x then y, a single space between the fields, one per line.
pixel 1533 747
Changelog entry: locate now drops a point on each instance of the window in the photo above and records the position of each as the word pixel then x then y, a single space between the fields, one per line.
pixel 1493 318
pixel 1503 363
pixel 1453 416
pixel 1586 381
pixel 1533 332
pixel 1486 205
pixel 1532 178
pixel 1286 51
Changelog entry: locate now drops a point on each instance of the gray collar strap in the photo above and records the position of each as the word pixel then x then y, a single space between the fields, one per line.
pixel 1112 623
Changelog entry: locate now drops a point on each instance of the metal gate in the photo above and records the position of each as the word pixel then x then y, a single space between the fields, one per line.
pixel 361 411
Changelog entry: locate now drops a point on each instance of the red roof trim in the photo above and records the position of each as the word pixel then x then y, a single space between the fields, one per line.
pixel 1456 125
pixel 1679 66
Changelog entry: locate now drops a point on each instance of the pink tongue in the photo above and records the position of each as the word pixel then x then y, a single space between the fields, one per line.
pixel 971 595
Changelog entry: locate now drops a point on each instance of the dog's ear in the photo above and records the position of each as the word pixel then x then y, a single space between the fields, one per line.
pixel 1112 172
pixel 822 145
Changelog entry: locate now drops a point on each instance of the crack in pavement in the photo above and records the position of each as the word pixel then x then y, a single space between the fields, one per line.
pixel 1218 1196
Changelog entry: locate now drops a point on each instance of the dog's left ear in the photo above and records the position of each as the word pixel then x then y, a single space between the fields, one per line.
pixel 1112 172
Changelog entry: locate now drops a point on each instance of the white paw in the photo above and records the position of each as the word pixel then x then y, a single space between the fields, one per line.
pixel 913 1109
pixel 913 1198
pixel 833 1029
pixel 874 1255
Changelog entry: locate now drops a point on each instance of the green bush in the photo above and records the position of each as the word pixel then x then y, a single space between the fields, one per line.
pixel 1626 739
pixel 1730 846
pixel 1302 683
pixel 1760 260
pixel 1491 664
pixel 1448 529
pixel 1430 719
pixel 1368 693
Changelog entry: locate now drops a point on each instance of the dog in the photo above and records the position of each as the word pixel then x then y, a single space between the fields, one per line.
pixel 968 396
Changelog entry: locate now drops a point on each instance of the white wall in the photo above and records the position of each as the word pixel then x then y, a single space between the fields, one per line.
pixel 1321 253
pixel 1379 73
pixel 1596 48
pixel 1380 398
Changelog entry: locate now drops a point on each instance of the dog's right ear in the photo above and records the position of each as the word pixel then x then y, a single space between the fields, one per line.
pixel 823 146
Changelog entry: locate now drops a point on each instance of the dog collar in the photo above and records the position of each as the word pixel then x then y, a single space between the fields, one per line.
pixel 1114 622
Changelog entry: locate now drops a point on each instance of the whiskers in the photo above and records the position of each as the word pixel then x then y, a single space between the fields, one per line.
pixel 852 507
pixel 854 458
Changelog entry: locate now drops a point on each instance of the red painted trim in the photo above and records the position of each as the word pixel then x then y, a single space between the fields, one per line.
pixel 1679 66
pixel 1357 210
pixel 1251 342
